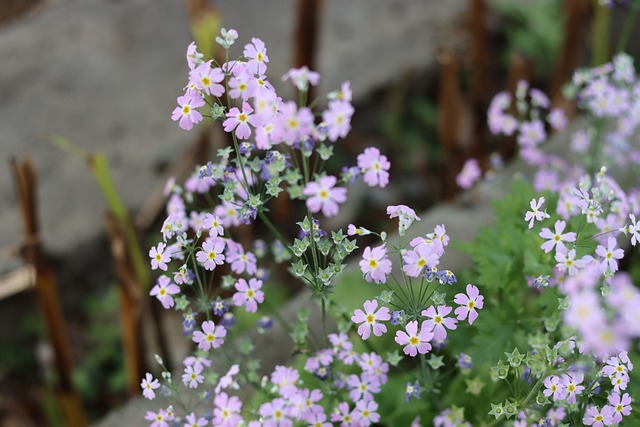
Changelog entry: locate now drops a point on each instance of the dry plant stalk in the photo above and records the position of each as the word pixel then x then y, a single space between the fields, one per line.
pixel 46 289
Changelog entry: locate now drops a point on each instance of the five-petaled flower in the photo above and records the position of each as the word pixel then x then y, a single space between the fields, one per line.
pixel 212 254
pixel 375 167
pixel 375 265
pixel 556 238
pixel 415 342
pixel 249 294
pixel 609 255
pixel 164 291
pixel 211 336
pixel 469 303
pixel 371 319
pixel 323 195
pixel 149 384
pixel 536 213
pixel 186 111
pixel 159 258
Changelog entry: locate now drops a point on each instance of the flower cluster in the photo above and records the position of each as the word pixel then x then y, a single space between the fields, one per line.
pixel 576 371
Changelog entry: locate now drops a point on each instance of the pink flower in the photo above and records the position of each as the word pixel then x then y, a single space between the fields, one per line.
pixel 206 79
pixel 275 413
pixel 415 342
pixel 557 119
pixel 337 118
pixel 405 214
pixel 571 382
pixel 554 387
pixel 286 379
pixel 567 261
pixel 249 294
pixel 365 412
pixel 557 238
pixel 469 303
pixel 193 421
pixel 363 386
pixel 159 418
pixel 621 405
pixel 186 110
pixel 226 412
pixel 241 85
pixel 149 384
pixel 469 174
pixel 192 376
pixel 370 319
pixel 416 260
pixel 240 120
pixel 634 229
pixel 164 291
pixel 609 255
pixel 597 418
pixel 375 265
pixel 159 259
pixel 375 167
pixel 214 224
pixel 438 321
pixel 323 196
pixel 536 214
pixel 212 336
pixel 293 124
pixel 212 254
pixel 256 53
pixel 302 77
pixel 240 260
pixel 531 133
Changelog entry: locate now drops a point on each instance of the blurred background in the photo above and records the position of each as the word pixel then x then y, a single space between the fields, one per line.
pixel 87 88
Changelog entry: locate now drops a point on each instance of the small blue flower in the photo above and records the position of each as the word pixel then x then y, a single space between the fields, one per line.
pixel 228 320
pixel 464 361
pixel 413 390
pixel 220 306
pixel 265 322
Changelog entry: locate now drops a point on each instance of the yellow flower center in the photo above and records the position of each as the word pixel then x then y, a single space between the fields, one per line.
pixel 250 293
pixel 370 318
pixel 186 109
pixel 206 81
pixel 373 263
pixel 242 117
pixel 414 340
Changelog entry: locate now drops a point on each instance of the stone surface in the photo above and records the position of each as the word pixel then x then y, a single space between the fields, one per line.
pixel 105 74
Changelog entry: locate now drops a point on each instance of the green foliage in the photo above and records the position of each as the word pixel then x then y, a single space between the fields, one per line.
pixel 534 28
pixel 101 371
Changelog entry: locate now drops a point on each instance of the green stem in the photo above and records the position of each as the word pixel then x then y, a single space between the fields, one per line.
pixel 274 231
pixel 601 34
pixel 532 393
pixel 626 29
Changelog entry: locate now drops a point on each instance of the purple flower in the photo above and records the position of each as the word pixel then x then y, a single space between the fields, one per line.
pixel 469 174
pixel 164 291
pixel 469 303
pixel 371 319
pixel 438 321
pixel 375 167
pixel 324 196
pixel 415 341
pixel 375 265
pixel 249 294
